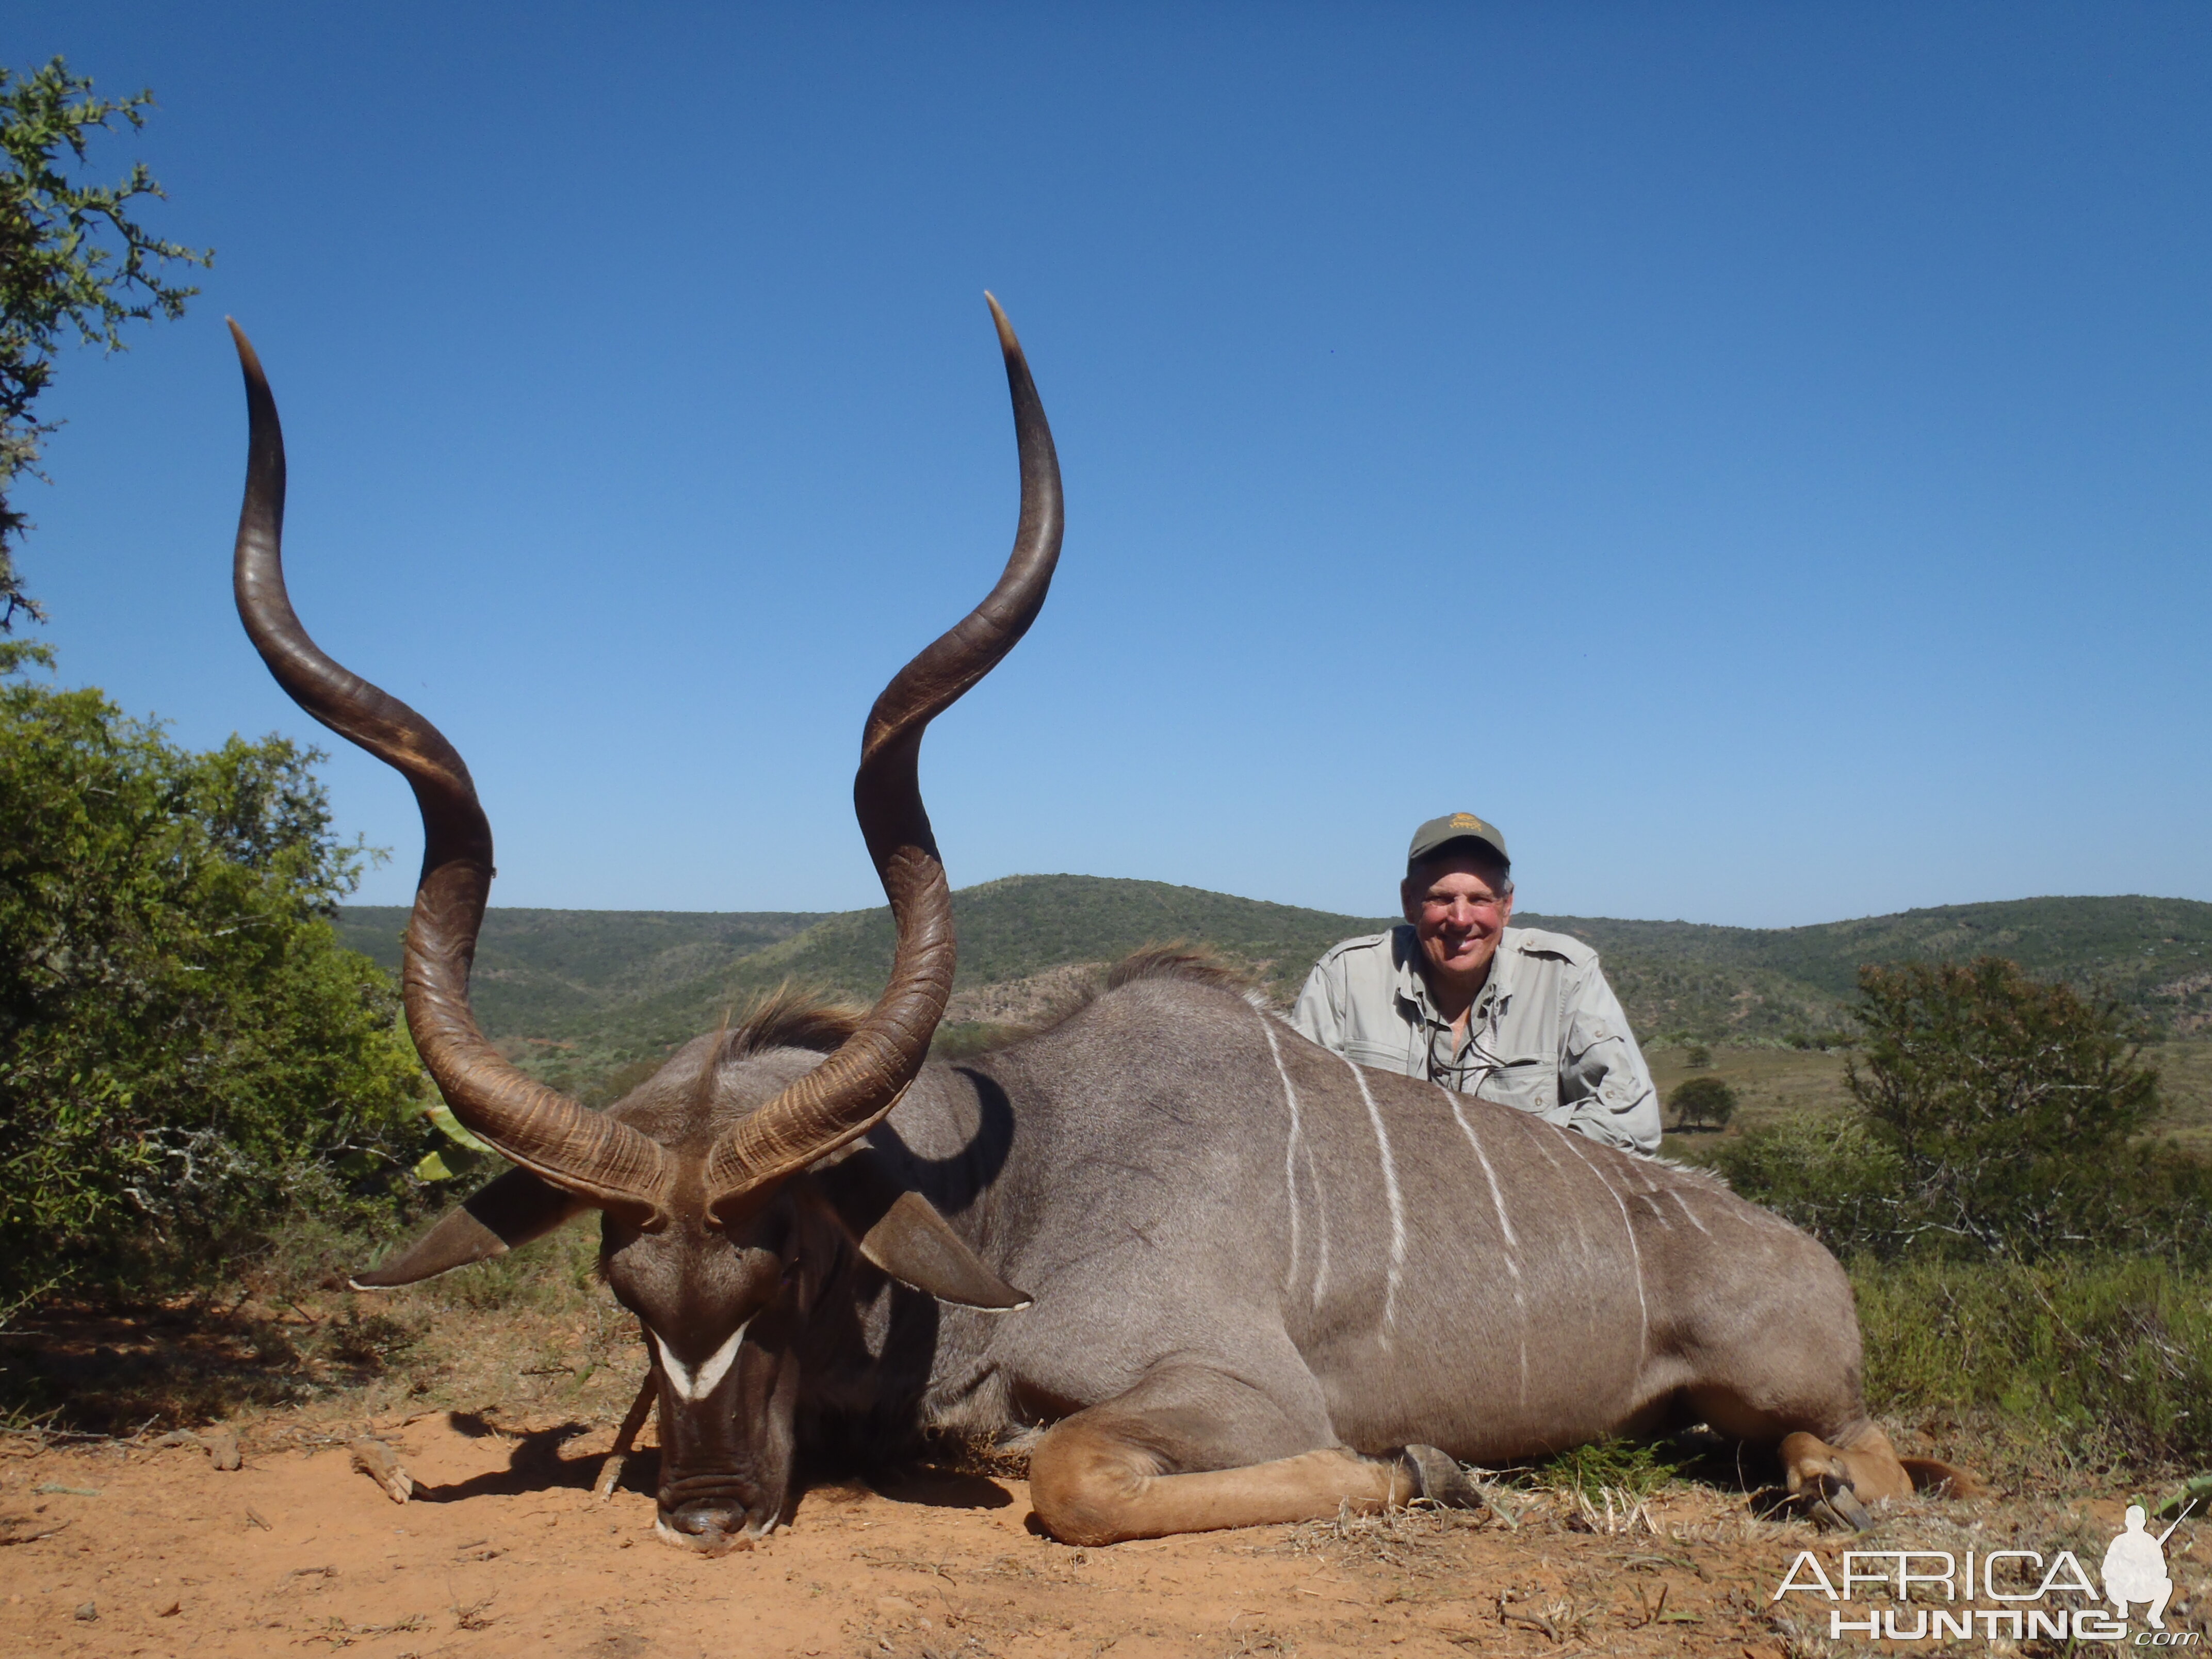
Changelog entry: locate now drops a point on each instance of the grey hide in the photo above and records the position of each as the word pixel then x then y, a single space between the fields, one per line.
pixel 1370 1260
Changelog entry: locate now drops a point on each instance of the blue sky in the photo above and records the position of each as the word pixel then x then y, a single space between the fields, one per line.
pixel 1756 454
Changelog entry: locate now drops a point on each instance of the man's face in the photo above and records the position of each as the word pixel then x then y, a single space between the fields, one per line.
pixel 1458 914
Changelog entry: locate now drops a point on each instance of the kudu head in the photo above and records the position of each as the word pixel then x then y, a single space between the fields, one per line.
pixel 730 1183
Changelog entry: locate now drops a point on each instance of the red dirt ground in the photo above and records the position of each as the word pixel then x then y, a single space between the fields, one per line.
pixel 506 1551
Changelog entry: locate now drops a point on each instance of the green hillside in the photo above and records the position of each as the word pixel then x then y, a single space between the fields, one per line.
pixel 541 972
pixel 1025 925
pixel 2155 954
pixel 580 995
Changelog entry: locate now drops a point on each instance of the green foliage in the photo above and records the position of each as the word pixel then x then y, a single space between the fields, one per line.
pixel 1993 1114
pixel 1704 1101
pixel 1696 1056
pixel 185 1049
pixel 1827 1174
pixel 1633 1468
pixel 2004 1099
pixel 72 259
pixel 2102 1358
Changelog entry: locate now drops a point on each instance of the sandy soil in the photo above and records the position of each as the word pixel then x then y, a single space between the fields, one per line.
pixel 128 1549
pixel 505 1551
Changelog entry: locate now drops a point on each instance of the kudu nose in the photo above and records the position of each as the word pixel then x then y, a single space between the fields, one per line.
pixel 708 1512
pixel 708 1518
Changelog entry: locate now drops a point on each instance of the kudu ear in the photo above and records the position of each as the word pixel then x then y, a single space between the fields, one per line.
pixel 901 1232
pixel 504 1214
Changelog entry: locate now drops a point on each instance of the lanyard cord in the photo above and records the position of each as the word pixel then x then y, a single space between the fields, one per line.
pixel 1453 1073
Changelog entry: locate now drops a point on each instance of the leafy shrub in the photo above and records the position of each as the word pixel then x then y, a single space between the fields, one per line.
pixel 2108 1357
pixel 2004 1098
pixel 1827 1174
pixel 1703 1100
pixel 1634 1469
pixel 1992 1114
pixel 185 1051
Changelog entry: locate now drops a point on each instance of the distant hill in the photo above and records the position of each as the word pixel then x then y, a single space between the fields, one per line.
pixel 581 994
pixel 2155 954
pixel 540 969
pixel 586 991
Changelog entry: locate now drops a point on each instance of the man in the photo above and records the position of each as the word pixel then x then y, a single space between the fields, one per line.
pixel 1514 1014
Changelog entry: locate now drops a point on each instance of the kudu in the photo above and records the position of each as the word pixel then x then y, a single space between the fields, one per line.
pixel 1260 1281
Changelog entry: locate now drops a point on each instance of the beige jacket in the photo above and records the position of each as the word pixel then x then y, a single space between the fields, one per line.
pixel 1547 1034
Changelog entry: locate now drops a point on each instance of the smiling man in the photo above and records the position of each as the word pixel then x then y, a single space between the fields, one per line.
pixel 1514 1014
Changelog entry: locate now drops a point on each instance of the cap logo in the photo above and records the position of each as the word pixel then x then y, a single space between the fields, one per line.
pixel 1466 821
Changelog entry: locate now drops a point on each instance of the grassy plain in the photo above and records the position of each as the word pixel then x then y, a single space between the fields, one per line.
pixel 1773 1083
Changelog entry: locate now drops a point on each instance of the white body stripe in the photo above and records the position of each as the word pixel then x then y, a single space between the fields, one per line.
pixel 1390 1192
pixel 1321 1215
pixel 1497 1196
pixel 1635 1253
pixel 1537 1128
pixel 1290 1148
pixel 1687 1210
pixel 697 1386
pixel 1505 1225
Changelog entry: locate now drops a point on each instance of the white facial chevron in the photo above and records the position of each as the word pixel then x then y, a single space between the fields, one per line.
pixel 697 1386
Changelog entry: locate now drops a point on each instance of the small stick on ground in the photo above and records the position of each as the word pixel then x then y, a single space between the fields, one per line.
pixel 625 1437
pixel 378 1462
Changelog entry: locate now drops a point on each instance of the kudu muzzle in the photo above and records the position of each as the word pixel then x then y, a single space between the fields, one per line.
pixel 726 1446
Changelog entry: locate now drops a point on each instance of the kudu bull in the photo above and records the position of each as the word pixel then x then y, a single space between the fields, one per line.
pixel 1258 1280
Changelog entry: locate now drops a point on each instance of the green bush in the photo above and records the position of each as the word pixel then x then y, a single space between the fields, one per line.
pixel 2107 1358
pixel 1826 1174
pixel 2004 1098
pixel 1703 1100
pixel 185 1051
pixel 1993 1114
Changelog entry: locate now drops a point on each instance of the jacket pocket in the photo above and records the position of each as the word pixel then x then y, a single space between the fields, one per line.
pixel 1528 1082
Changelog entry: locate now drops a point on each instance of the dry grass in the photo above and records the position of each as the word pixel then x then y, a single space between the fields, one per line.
pixel 1771 1084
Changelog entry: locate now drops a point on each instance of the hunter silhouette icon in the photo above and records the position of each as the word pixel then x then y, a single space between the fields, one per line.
pixel 2135 1568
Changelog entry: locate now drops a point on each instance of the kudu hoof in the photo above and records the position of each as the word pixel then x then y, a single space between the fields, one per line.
pixel 1438 1477
pixel 1835 1507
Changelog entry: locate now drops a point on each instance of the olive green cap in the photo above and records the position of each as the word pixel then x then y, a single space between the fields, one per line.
pixel 1456 826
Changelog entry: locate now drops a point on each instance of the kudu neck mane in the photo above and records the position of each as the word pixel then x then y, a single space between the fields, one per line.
pixel 790 1018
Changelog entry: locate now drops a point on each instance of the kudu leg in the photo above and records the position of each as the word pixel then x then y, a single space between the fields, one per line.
pixel 626 1437
pixel 1093 1486
pixel 1833 1455
pixel 1868 1467
pixel 1151 1464
pixel 1777 1374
